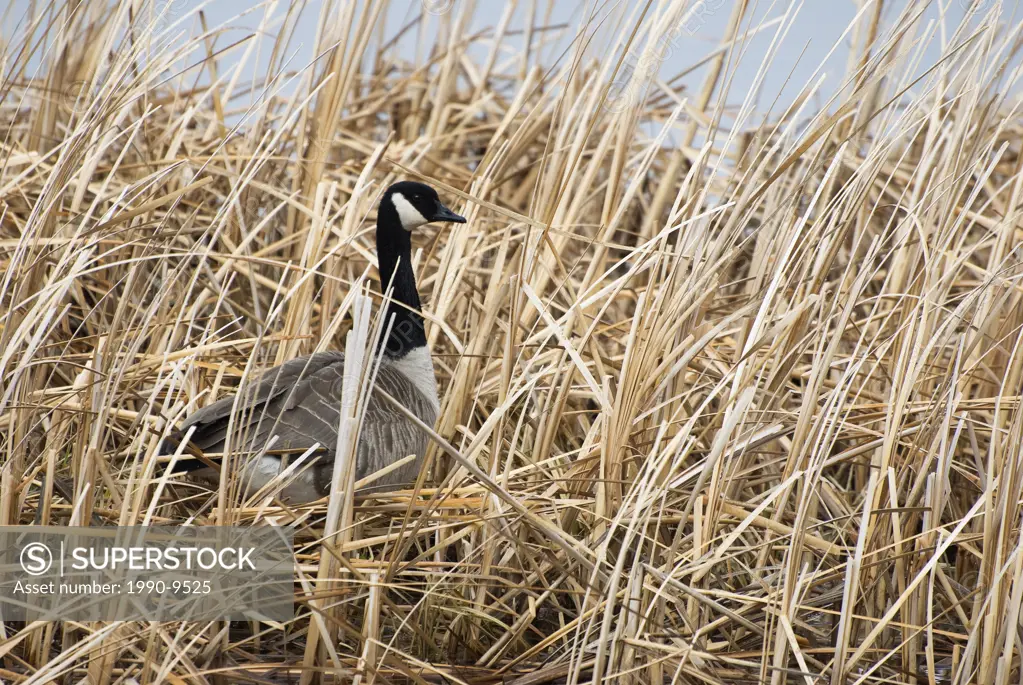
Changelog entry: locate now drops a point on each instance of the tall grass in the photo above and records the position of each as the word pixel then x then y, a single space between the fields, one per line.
pixel 730 390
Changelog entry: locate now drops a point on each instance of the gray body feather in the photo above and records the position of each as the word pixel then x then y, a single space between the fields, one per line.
pixel 299 402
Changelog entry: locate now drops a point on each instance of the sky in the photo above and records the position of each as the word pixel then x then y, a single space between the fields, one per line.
pixel 816 44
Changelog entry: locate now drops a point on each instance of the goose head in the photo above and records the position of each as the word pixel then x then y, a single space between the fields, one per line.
pixel 411 204
pixel 404 207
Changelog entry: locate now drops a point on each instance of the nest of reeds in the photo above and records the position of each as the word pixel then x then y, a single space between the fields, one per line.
pixel 740 383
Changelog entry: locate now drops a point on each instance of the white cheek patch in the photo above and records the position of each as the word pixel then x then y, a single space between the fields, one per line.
pixel 409 215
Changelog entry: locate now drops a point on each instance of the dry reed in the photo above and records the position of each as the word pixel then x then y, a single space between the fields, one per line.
pixel 728 394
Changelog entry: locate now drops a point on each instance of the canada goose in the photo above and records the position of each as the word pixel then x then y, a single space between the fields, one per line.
pixel 299 401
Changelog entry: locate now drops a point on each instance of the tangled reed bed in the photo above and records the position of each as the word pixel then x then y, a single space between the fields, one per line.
pixel 732 392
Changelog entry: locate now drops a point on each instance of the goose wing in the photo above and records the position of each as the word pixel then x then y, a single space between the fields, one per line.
pixel 303 383
pixel 299 402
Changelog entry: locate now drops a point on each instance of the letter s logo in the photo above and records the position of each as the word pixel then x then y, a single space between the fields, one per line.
pixel 36 559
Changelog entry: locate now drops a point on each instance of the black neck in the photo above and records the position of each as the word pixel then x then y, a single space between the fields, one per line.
pixel 394 251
